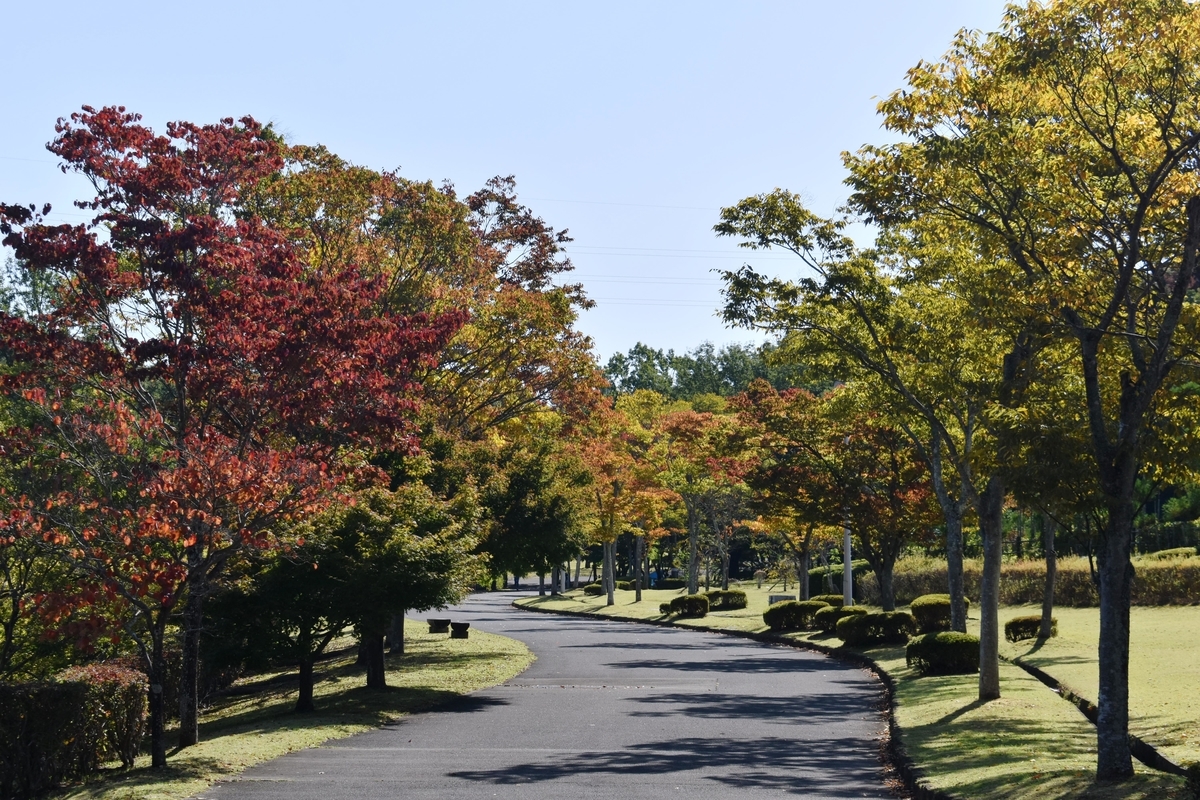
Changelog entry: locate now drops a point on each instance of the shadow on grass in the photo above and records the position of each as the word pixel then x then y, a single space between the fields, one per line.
pixel 827 768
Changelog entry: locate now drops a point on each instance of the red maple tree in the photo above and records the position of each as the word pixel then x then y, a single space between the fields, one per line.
pixel 193 385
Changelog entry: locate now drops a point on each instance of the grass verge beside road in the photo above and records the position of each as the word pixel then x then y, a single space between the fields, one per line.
pixel 240 731
pixel 1029 745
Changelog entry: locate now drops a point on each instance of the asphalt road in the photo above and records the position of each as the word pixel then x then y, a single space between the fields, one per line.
pixel 611 710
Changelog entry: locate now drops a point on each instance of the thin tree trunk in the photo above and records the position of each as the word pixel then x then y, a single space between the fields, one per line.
pixel 373 645
pixel 577 568
pixel 304 701
pixel 610 569
pixel 158 710
pixel 189 678
pixel 991 524
pixel 693 551
pixel 1051 574
pixel 639 573
pixel 541 583
pixel 954 570
pixel 887 592
pixel 1113 758
pixel 397 634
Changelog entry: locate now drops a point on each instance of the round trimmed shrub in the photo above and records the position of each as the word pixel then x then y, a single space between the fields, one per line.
pixel 943 653
pixel 827 618
pixel 689 605
pixel 1019 628
pixel 834 600
pixel 726 599
pixel 664 608
pixel 625 586
pixel 932 612
pixel 792 615
pixel 594 589
pixel 859 630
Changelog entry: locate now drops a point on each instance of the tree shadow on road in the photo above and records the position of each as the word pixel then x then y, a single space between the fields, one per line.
pixel 843 767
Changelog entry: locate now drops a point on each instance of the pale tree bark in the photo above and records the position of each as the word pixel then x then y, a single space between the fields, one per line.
pixel 1051 573
pixel 991 508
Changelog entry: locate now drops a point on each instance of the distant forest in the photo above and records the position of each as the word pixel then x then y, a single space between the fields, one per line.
pixel 704 370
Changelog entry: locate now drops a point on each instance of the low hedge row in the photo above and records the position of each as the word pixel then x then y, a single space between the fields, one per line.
pixel 835 600
pixel 792 615
pixel 1019 628
pixel 932 612
pixel 726 599
pixel 827 618
pixel 891 627
pixel 671 583
pixel 1159 580
pixel 61 730
pixel 594 589
pixel 943 653
pixel 688 605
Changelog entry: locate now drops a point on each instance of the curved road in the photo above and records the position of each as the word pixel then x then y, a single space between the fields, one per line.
pixel 611 710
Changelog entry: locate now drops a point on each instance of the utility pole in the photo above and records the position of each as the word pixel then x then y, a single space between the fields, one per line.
pixel 847 565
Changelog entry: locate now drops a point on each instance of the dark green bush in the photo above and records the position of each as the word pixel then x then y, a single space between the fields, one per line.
pixel 816 576
pixel 625 586
pixel 827 618
pixel 932 612
pixel 725 599
pixel 1174 552
pixel 689 605
pixel 594 589
pixel 671 583
pixel 792 615
pixel 834 600
pixel 664 608
pixel 943 653
pixel 58 731
pixel 1019 628
pixel 859 630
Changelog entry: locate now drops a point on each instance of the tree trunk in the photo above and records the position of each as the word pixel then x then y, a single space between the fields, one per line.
pixel 304 701
pixel 639 543
pixel 847 568
pixel 158 709
pixel 954 570
pixel 577 568
pixel 610 572
pixel 725 566
pixel 887 592
pixel 1051 573
pixel 541 584
pixel 1113 758
pixel 991 525
pixel 555 580
pixel 373 645
pixel 397 634
pixel 693 551
pixel 189 678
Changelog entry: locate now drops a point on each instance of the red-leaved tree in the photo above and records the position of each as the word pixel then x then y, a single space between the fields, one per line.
pixel 192 386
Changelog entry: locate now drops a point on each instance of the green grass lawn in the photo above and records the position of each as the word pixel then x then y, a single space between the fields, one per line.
pixel 1164 669
pixel 239 732
pixel 1029 745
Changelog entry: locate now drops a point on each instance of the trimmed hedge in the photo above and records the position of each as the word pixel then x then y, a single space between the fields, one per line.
pixel 943 653
pixel 594 589
pixel 932 612
pixel 859 630
pixel 1159 580
pixel 59 731
pixel 1019 628
pixel 827 618
pixel 671 583
pixel 625 586
pixel 689 605
pixel 792 615
pixel 834 600
pixel 726 599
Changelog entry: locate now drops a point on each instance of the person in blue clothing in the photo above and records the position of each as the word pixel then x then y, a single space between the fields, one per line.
pixel 653 577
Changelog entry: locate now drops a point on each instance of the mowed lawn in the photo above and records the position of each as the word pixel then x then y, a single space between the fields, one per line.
pixel 1029 745
pixel 1164 668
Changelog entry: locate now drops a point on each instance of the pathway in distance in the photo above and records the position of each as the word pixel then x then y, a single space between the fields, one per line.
pixel 611 710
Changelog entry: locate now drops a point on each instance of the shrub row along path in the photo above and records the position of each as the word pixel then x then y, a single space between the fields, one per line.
pixel 612 710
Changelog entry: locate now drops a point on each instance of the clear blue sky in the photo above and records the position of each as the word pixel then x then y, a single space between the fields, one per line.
pixel 631 124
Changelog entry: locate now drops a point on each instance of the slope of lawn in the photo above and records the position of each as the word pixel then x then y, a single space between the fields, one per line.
pixel 1029 745
pixel 1164 669
pixel 240 731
